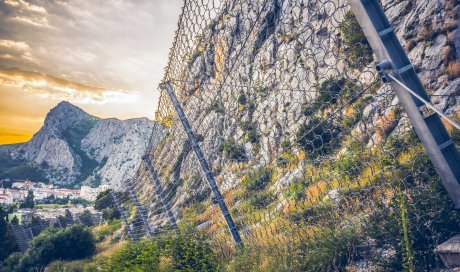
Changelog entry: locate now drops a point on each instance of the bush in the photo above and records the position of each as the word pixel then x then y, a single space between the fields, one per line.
pixel 329 91
pixel 102 231
pixel 316 137
pixel 254 188
pixel 259 180
pixel 349 165
pixel 242 99
pixel 140 256
pixel 72 243
pixel 234 151
pixel 251 134
pixel 11 263
pixel 297 189
pixel 357 48
pixel 174 252
pixel 7 241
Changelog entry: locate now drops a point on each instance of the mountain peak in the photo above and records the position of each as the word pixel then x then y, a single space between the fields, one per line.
pixel 64 115
pixel 65 106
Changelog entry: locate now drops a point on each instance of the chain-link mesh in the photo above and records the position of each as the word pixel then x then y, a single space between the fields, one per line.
pixel 315 158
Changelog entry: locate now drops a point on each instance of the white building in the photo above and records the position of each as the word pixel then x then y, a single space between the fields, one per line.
pixel 90 193
pixel 6 199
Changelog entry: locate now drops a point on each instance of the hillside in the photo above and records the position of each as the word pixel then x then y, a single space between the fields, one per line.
pixel 308 147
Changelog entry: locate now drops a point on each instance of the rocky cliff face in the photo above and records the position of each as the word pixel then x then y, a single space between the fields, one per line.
pixel 74 147
pixel 285 51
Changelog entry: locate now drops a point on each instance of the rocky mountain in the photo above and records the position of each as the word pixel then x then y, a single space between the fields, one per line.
pixel 73 148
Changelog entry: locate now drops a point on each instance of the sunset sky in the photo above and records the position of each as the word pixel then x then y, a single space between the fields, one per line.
pixel 105 56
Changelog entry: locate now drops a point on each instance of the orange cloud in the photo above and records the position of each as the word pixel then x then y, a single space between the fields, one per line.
pixel 48 86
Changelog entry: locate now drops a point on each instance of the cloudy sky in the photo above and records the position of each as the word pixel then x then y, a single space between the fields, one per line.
pixel 105 56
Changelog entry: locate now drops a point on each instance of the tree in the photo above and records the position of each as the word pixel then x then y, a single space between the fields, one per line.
pixel 72 243
pixel 103 200
pixel 29 201
pixel 7 242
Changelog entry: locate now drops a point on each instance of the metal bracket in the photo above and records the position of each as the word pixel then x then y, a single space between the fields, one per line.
pixel 204 164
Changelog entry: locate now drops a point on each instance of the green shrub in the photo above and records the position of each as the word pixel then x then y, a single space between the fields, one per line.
pixel 250 132
pixel 259 180
pixel 356 46
pixel 260 200
pixel 11 263
pixel 329 91
pixel 349 165
pixel 242 99
pixel 7 241
pixel 316 137
pixel 254 188
pixel 169 252
pixel 417 219
pixel 74 242
pixel 106 230
pixel 140 256
pixel 297 189
pixel 233 151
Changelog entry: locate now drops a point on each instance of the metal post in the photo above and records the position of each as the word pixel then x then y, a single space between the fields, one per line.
pixel 140 209
pixel 429 127
pixel 123 217
pixel 59 222
pixel 29 234
pixel 204 164
pixel 159 190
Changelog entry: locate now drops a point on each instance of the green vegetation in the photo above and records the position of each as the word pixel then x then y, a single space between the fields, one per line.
pixel 72 243
pixel 316 137
pixel 86 218
pixel 107 229
pixel 20 169
pixel 255 192
pixel 28 202
pixel 233 151
pixel 418 218
pixel 297 189
pixel 170 252
pixel 330 91
pixel 7 242
pixel 242 99
pixel 331 250
pixel 356 46
pixel 250 132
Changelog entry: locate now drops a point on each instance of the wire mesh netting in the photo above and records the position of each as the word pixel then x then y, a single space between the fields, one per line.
pixel 314 156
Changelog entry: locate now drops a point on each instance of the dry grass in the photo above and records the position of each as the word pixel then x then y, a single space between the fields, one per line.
pixel 453 69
